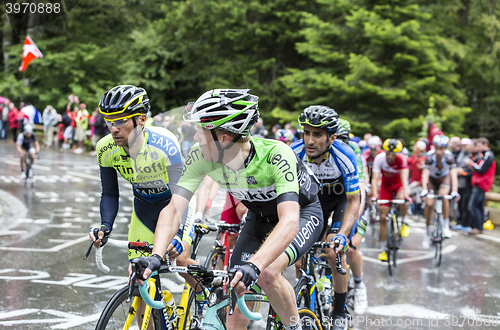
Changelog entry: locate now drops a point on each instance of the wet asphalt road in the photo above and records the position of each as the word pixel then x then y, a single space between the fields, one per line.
pixel 45 284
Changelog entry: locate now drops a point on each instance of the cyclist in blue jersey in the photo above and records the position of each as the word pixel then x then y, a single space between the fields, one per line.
pixel 334 164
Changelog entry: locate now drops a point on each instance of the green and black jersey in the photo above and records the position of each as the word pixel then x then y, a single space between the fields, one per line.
pixel 271 174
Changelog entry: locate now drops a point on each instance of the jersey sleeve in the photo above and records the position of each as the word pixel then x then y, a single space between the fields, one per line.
pixel 377 162
pixel 20 139
pixel 404 161
pixel 346 159
pixel 283 170
pixel 193 173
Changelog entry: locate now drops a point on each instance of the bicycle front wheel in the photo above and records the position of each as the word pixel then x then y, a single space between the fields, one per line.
pixel 302 293
pixel 215 259
pixel 114 315
pixel 309 320
pixel 437 240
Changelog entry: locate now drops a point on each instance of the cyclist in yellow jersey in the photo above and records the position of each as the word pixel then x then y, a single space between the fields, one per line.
pixel 147 157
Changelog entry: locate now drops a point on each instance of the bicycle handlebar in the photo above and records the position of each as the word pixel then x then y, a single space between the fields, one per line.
pixel 389 201
pixel 434 196
pixel 338 257
pixel 205 273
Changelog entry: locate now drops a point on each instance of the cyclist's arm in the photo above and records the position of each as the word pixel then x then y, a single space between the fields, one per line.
pixel 454 179
pixel 109 196
pixel 425 178
pixel 174 174
pixel 37 146
pixel 281 236
pixel 350 215
pixel 168 224
pixel 375 180
pixel 404 181
pixel 362 199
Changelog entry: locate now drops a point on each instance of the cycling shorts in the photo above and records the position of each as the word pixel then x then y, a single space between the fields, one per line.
pixel 386 192
pixel 436 184
pixel 229 214
pixel 143 223
pixel 257 229
pixel 30 150
pixel 337 205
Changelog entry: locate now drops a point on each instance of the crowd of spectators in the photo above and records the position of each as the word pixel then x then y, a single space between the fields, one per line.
pixel 67 130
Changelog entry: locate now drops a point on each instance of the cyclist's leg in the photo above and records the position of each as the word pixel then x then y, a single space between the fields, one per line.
pixel 341 282
pixel 32 153
pixel 248 243
pixel 444 189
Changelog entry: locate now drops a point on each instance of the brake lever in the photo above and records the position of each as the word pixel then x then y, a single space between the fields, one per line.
pixel 232 300
pixel 88 250
pixel 131 282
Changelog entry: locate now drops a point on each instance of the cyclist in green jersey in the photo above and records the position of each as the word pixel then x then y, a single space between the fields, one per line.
pixel 284 214
pixel 354 257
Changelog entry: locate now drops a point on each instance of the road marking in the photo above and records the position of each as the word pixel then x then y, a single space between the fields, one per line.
pixel 6 315
pixel 12 232
pixel 56 248
pixel 405 310
pixel 424 255
pixel 86 176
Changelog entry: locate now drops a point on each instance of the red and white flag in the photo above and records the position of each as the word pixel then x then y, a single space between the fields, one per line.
pixel 30 52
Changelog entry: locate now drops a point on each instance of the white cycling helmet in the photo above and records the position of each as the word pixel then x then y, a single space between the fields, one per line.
pixel 440 141
pixel 232 110
pixel 284 135
pixel 28 129
pixel 374 142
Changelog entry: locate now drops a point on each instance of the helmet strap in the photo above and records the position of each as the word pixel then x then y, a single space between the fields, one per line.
pixel 321 155
pixel 219 147
pixel 136 131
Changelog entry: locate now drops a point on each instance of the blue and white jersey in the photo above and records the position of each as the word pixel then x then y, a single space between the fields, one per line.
pixel 338 172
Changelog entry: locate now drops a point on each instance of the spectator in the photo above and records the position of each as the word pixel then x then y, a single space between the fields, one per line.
pixel 100 129
pixel 82 125
pixel 259 130
pixel 4 118
pixel 274 129
pixel 432 131
pixel 68 121
pixel 188 132
pixel 13 121
pixel 50 121
pixel 482 181
pixel 416 164
pixel 461 153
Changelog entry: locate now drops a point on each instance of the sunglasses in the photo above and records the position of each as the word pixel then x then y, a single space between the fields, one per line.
pixel 120 121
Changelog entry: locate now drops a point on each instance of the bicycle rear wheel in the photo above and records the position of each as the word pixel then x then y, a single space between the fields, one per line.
pixel 116 311
pixel 309 320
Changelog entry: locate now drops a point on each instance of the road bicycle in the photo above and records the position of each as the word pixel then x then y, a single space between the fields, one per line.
pixel 393 232
pixel 437 226
pixel 120 310
pixel 219 256
pixel 219 302
pixel 309 287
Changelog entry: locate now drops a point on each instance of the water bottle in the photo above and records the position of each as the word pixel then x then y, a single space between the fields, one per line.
pixel 325 287
pixel 170 305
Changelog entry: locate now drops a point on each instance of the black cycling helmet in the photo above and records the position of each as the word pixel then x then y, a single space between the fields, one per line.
pixel 125 99
pixel 392 145
pixel 320 116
